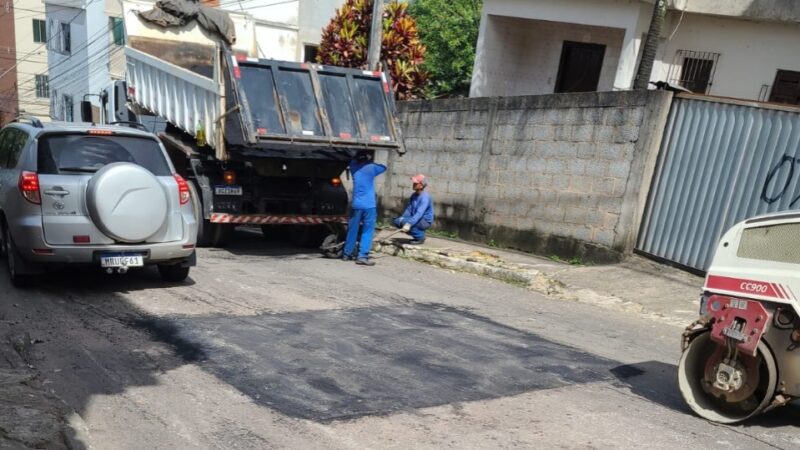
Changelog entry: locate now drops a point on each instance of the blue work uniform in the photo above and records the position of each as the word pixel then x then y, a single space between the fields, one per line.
pixel 419 213
pixel 364 210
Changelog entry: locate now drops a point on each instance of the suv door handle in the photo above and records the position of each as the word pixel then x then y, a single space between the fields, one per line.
pixel 57 193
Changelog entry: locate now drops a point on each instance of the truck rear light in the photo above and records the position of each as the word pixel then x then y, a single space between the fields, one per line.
pixel 230 177
pixel 81 239
pixel 101 132
pixel 183 189
pixel 29 187
pixel 42 251
pixel 336 182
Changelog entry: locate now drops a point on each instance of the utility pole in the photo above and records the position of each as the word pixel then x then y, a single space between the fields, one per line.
pixel 376 36
pixel 650 45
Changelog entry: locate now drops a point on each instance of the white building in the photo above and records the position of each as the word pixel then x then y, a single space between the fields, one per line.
pixel 731 48
pixel 30 35
pixel 84 53
pixel 287 31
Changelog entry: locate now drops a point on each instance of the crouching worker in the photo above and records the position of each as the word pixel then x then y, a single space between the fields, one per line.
pixel 418 215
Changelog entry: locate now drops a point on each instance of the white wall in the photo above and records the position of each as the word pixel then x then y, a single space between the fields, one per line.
pixel 751 52
pixel 631 16
pixel 276 42
pixel 523 56
pixel 276 27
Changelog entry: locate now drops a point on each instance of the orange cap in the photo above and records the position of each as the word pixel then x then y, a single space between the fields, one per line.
pixel 420 178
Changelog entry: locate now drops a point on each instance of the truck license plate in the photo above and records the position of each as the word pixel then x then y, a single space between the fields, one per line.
pixel 122 261
pixel 228 190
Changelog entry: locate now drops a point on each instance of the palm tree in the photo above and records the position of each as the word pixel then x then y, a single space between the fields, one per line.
pixel 651 45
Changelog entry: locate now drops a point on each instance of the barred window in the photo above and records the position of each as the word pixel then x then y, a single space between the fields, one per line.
pixel 694 70
pixel 42 86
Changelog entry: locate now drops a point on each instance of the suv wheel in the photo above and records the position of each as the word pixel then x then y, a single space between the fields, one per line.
pixel 12 258
pixel 3 246
pixel 174 273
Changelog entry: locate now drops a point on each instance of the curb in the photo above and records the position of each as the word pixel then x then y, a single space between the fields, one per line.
pixel 536 280
pixel 530 278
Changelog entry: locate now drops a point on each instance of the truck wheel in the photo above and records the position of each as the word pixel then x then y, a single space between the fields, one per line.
pixel 275 232
pixel 208 234
pixel 310 236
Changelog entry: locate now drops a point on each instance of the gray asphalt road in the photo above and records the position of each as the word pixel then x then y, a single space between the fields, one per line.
pixel 269 346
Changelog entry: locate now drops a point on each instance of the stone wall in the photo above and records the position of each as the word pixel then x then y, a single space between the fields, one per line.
pixel 564 174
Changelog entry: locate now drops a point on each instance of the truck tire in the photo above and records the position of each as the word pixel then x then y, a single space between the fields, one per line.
pixel 208 234
pixel 309 236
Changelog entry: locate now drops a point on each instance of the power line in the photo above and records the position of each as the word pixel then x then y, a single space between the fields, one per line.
pixel 94 38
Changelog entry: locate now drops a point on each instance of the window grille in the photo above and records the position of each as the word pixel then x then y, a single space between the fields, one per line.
pixel 694 70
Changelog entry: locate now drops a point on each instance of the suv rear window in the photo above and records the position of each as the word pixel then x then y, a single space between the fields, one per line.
pixel 65 153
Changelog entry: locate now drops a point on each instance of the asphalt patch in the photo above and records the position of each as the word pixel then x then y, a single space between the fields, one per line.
pixel 343 364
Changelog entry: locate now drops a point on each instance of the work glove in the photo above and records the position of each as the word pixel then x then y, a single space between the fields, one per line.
pixel 407 227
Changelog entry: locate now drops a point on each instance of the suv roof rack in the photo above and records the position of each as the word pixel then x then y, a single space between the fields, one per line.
pixel 32 119
pixel 130 124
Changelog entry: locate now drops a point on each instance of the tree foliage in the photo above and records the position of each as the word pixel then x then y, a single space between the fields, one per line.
pixel 449 30
pixel 345 42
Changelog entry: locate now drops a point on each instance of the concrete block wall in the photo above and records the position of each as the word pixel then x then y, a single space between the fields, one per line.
pixel 564 174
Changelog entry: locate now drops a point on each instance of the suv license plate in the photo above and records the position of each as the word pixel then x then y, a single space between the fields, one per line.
pixel 228 190
pixel 122 261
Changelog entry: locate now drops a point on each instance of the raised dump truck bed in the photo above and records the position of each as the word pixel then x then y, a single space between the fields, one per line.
pixel 265 107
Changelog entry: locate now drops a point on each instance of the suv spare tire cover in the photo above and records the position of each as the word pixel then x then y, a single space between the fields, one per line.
pixel 126 202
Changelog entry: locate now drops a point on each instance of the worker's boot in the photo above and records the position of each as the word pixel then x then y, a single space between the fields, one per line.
pixel 365 262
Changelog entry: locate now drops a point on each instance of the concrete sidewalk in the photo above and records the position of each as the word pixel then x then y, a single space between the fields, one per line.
pixel 637 286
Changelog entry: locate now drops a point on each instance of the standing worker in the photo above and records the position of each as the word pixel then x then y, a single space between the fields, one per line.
pixel 418 215
pixel 364 210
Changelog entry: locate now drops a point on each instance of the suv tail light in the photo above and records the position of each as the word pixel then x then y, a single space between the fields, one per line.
pixel 29 187
pixel 183 189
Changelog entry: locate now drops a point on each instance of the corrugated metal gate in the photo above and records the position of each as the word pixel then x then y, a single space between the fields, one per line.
pixel 720 163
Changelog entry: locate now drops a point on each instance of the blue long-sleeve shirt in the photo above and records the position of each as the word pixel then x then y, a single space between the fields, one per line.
pixel 364 175
pixel 419 207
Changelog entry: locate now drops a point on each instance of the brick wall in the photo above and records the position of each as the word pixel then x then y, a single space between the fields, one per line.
pixel 556 174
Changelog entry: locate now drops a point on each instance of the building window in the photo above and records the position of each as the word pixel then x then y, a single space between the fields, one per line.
pixel 580 67
pixel 39 31
pixel 42 86
pixel 310 52
pixel 694 70
pixel 65 39
pixel 786 88
pixel 68 113
pixel 117 30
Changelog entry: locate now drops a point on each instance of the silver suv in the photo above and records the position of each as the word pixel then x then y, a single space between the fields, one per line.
pixel 95 195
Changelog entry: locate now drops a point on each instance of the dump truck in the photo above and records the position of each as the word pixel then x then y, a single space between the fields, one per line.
pixel 261 142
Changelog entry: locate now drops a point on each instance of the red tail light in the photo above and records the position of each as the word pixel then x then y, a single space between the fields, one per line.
pixel 183 189
pixel 29 187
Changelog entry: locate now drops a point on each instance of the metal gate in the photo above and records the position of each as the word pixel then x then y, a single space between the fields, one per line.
pixel 721 161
